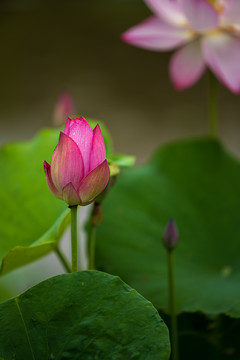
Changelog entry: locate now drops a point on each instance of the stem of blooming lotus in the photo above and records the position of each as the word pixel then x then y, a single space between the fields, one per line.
pixel 92 236
pixel 212 104
pixel 62 259
pixel 172 306
pixel 74 238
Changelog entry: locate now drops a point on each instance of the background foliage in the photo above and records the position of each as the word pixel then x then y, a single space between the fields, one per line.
pixel 196 182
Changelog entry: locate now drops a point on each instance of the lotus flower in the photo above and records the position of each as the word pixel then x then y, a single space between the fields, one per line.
pixel 79 170
pixel 64 108
pixel 207 32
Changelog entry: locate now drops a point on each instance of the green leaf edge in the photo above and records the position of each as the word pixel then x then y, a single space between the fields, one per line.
pixel 47 242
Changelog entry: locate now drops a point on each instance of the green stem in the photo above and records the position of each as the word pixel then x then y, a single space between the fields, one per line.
pixel 212 104
pixel 74 238
pixel 62 259
pixel 172 307
pixel 92 236
pixel 91 247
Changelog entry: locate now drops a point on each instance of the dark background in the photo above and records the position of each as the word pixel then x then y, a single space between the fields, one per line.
pixel 51 46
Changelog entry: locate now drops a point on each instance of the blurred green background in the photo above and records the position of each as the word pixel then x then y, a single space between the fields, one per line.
pixel 50 46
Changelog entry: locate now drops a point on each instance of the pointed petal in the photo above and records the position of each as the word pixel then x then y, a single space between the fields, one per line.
pixel 70 196
pixel 231 12
pixel 52 187
pixel 95 182
pixel 98 152
pixel 200 14
pixel 167 10
pixel 81 132
pixel 187 65
pixel 67 163
pixel 67 127
pixel 222 54
pixel 156 34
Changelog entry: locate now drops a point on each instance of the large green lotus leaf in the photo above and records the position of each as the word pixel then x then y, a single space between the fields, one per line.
pixel 32 219
pixel 85 315
pixel 197 183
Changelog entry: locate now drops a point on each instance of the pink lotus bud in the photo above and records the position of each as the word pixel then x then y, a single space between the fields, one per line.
pixel 79 170
pixel 64 108
pixel 170 236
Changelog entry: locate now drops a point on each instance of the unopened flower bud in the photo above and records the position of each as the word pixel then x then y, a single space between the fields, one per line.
pixel 79 171
pixel 64 108
pixel 170 236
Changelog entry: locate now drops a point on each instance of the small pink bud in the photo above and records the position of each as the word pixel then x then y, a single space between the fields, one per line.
pixel 170 236
pixel 64 108
pixel 79 170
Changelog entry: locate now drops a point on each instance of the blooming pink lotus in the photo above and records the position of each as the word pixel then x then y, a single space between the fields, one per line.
pixel 207 32
pixel 79 170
